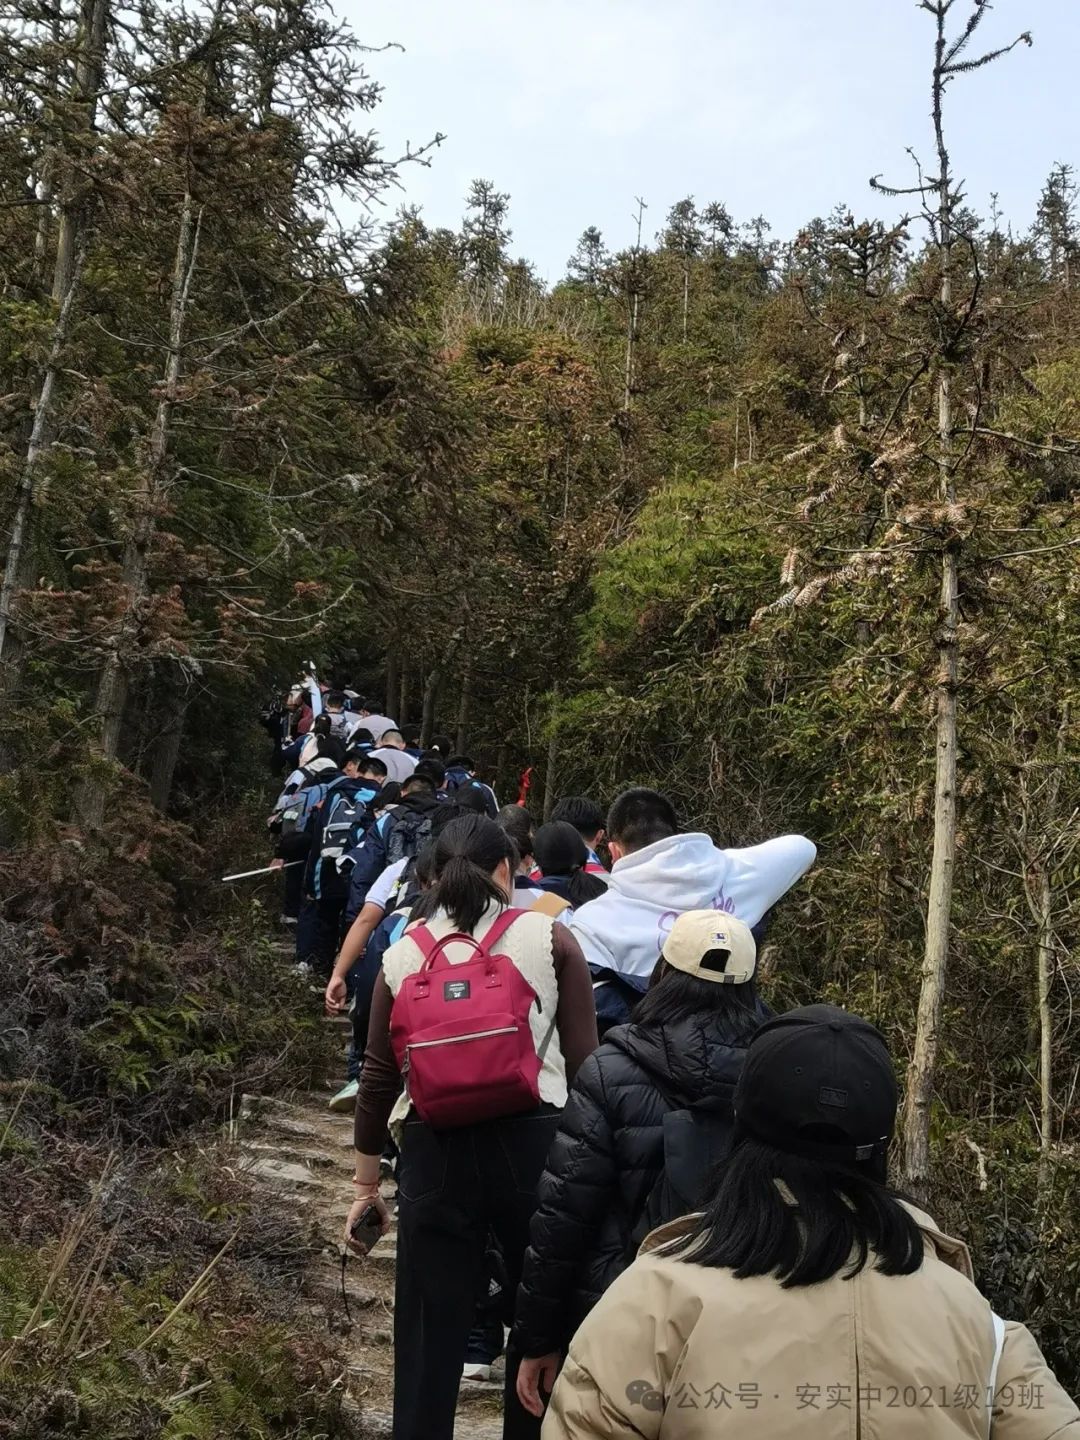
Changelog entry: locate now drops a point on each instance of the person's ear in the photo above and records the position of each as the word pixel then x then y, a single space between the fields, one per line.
pixel 502 878
pixel 617 851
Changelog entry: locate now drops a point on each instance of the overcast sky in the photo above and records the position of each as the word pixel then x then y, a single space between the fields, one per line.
pixel 776 107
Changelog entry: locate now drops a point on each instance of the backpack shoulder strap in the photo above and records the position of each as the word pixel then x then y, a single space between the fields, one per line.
pixel 431 948
pixel 498 928
pixel 551 904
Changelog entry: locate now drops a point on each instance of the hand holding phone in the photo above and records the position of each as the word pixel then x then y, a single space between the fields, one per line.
pixel 367 1228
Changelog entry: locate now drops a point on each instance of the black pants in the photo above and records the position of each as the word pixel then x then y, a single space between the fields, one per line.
pixel 294 891
pixel 318 933
pixel 453 1187
pixel 485 1343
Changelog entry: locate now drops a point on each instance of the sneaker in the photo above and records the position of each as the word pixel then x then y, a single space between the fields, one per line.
pixel 287 920
pixel 475 1372
pixel 345 1099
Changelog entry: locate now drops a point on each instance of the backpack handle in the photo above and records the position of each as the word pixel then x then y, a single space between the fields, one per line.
pixel 434 950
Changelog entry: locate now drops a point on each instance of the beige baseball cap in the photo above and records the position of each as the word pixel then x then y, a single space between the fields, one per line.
pixel 712 946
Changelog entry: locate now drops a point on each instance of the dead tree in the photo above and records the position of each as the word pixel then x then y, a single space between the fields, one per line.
pixel 941 196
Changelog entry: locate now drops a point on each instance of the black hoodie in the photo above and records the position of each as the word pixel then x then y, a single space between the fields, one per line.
pixel 606 1159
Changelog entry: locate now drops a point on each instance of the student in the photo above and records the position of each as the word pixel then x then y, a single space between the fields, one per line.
pixel 658 874
pixel 326 889
pixel 588 820
pixel 848 1311
pixel 391 751
pixel 562 860
pixel 431 768
pixel 400 835
pixel 384 916
pixel 290 819
pixel 411 735
pixel 456 1184
pixel 339 819
pixel 461 773
pixel 519 825
pixel 371 719
pixel 362 739
pixel 648 1118
pixel 342 721
pixel 365 906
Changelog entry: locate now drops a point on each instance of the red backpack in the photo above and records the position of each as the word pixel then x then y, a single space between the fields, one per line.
pixel 461 1034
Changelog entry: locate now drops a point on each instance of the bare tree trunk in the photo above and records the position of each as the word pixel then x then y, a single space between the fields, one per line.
pixel 1044 910
pixel 40 439
pixel 461 735
pixel 45 187
pixel 393 680
pixel 431 699
pixel 153 487
pixel 88 74
pixel 167 751
pixel 921 1076
pixel 403 697
pixel 550 774
pixel 632 319
pixel 631 336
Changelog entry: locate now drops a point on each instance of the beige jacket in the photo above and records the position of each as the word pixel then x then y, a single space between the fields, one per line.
pixel 677 1351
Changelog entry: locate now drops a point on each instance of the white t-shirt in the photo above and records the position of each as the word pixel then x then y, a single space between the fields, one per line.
pixel 376 725
pixel 384 887
pixel 399 766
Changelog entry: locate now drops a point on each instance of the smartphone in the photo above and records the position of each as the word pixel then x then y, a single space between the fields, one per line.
pixel 367 1227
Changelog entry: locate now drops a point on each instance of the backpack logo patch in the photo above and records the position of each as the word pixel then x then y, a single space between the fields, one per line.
pixel 456 990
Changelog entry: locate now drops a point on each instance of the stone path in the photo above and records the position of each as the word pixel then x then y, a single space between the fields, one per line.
pixel 303 1153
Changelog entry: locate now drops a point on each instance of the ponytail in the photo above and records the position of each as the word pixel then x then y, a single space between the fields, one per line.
pixel 562 855
pixel 466 854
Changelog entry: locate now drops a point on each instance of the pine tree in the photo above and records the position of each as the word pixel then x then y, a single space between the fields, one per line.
pixel 685 237
pixel 485 235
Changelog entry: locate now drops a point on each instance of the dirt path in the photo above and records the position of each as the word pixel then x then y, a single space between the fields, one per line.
pixel 302 1152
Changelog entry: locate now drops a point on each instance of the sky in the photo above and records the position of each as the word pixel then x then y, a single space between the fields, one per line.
pixel 783 108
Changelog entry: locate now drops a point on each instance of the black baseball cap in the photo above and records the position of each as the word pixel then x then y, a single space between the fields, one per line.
pixel 819 1083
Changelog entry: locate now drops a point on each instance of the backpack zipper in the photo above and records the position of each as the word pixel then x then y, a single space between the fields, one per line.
pixel 458 1039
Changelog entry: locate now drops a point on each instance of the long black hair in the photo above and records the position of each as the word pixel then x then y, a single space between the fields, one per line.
pixel 801 1220
pixel 466 854
pixel 672 995
pixel 562 855
pixel 329 747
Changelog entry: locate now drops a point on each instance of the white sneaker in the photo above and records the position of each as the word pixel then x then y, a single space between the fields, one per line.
pixel 288 920
pixel 345 1099
pixel 475 1372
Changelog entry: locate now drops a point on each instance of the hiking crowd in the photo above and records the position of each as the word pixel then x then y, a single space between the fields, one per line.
pixel 671 1203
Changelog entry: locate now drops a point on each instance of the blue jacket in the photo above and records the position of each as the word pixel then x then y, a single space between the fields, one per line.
pixel 369 862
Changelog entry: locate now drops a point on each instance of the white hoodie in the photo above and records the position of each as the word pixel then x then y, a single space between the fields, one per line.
pixel 625 929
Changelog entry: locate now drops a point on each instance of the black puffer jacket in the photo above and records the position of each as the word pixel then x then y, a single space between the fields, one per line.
pixel 606 1159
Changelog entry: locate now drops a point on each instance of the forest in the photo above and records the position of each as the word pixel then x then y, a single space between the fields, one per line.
pixel 784 526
